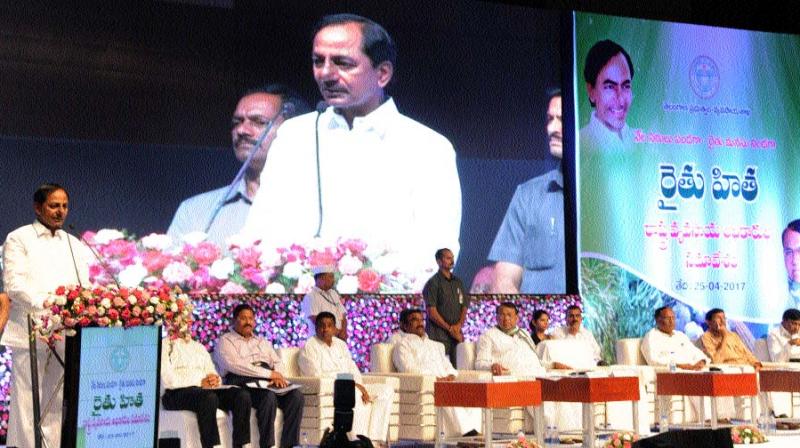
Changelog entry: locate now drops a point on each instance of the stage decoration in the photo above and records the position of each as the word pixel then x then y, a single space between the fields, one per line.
pixel 202 267
pixel 522 442
pixel 747 435
pixel 621 440
pixel 72 307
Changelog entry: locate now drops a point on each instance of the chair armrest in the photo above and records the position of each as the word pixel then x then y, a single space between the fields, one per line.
pixel 409 381
pixel 474 375
pixel 370 378
pixel 313 385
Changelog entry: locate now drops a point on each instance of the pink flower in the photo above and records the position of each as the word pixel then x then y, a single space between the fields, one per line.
pixel 176 273
pixel 254 276
pixel 113 314
pixel 356 247
pixel 200 278
pixel 232 288
pixel 123 250
pixel 205 253
pixel 324 258
pixel 248 257
pixel 155 261
pixel 369 280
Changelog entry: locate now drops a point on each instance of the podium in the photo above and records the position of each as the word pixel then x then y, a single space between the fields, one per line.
pixel 111 387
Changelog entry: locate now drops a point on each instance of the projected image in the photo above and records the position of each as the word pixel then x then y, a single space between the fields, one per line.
pixel 687 173
pixel 409 149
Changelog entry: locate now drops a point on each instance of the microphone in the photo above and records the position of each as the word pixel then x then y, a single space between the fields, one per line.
pixel 321 107
pixel 287 109
pixel 72 255
pixel 100 260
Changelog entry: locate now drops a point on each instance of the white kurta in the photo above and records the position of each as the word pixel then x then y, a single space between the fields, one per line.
pixel 317 301
pixel 184 363
pixel 512 352
pixel 389 181
pixel 778 343
pixel 36 262
pixel 584 336
pixel 421 355
pixel 657 348
pixel 318 359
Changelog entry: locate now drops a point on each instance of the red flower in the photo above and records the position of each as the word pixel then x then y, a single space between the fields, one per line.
pixel 84 322
pixel 113 314
pixel 154 260
pixel 60 290
pixel 125 314
pixel 369 280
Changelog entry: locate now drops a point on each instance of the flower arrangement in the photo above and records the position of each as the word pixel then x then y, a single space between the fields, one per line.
pixel 621 440
pixel 202 267
pixel 522 442
pixel 72 307
pixel 745 434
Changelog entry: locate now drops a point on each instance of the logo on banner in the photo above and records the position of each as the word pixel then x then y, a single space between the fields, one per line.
pixel 120 359
pixel 704 77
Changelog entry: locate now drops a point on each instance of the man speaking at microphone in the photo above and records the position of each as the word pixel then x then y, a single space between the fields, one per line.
pixel 38 258
pixel 358 168
pixel 256 110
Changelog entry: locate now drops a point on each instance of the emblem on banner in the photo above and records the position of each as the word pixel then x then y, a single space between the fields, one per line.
pixel 704 77
pixel 120 358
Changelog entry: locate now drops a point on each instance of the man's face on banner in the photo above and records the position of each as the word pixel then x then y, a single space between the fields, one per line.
pixel 611 93
pixel 791 254
pixel 554 126
pixel 253 113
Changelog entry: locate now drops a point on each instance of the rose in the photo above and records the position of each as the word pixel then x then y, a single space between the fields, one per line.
pixel 248 257
pixel 254 276
pixel 155 261
pixel 369 280
pixel 354 246
pixel 205 253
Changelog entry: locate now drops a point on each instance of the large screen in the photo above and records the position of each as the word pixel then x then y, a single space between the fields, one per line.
pixel 132 137
pixel 687 162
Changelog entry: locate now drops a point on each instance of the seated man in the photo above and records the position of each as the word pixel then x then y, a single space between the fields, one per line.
pixel 191 384
pixel 325 355
pixel 242 358
pixel 415 352
pixel 507 349
pixel 664 344
pixel 574 330
pixel 724 346
pixel 784 340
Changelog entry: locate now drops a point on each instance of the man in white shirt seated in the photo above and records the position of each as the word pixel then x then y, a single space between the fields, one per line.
pixel 245 358
pixel 415 352
pixel 325 355
pixel 664 344
pixel 191 384
pixel 784 340
pixel 574 330
pixel 507 349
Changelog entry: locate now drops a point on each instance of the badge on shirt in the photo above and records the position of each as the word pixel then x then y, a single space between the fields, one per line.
pixel 460 296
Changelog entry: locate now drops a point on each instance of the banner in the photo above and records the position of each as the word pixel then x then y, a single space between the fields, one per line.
pixel 687 168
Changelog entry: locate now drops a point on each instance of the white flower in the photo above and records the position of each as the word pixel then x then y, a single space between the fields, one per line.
pixel 61 300
pixel 349 265
pixel 101 311
pixel 132 275
pixel 269 257
pixel 348 284
pixel 304 283
pixel 319 244
pixel 222 268
pixel 176 272
pixel 239 240
pixel 154 300
pixel 275 288
pixel 195 238
pixel 173 307
pixel 55 319
pixel 386 264
pixel 105 303
pixel 132 299
pixel 157 241
pixel 105 236
pixel 293 270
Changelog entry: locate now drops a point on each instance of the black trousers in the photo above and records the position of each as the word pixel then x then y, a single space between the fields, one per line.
pixel 204 403
pixel 265 403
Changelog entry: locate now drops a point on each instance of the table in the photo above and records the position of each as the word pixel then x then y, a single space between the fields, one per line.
pixel 708 384
pixel 586 390
pixel 489 396
pixel 779 380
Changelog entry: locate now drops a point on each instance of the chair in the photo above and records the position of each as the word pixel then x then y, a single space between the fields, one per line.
pixel 183 425
pixel 779 402
pixel 417 414
pixel 318 395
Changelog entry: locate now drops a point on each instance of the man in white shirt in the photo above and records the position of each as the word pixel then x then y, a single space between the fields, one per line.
pixel 191 383
pixel 325 355
pixel 507 349
pixel 323 297
pixel 665 344
pixel 574 330
pixel 243 357
pixel 256 109
pixel 38 258
pixel 784 340
pixel 359 169
pixel 415 352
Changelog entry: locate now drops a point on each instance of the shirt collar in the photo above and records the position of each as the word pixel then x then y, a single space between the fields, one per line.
pixel 618 135
pixel 377 121
pixel 41 230
pixel 239 194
